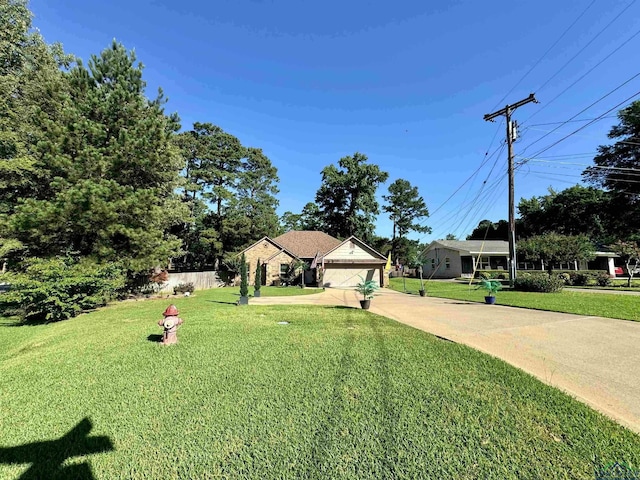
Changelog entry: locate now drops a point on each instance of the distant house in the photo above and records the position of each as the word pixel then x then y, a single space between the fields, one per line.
pixel 332 262
pixel 460 258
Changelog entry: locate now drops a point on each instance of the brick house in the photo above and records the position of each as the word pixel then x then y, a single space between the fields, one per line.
pixel 332 262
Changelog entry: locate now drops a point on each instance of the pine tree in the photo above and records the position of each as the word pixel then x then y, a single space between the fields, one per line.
pixel 32 92
pixel 405 208
pixel 113 167
pixel 251 213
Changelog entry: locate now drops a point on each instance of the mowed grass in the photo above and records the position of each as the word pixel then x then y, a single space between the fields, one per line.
pixel 336 393
pixel 284 291
pixel 625 307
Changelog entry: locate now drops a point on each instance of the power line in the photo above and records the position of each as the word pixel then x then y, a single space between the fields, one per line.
pixel 544 55
pixel 582 136
pixel 568 155
pixel 581 77
pixel 447 224
pixel 475 172
pixel 584 110
pixel 584 48
pixel 573 175
pixel 566 121
pixel 486 153
pixel 474 203
pixel 462 207
pixel 626 169
pixel 586 125
pixel 487 204
pixel 553 179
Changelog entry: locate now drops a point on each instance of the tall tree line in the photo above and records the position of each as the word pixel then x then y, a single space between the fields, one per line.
pixel 88 166
pixel 91 165
pixel 346 204
pixel 230 191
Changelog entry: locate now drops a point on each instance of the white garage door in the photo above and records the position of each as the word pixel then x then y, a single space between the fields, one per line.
pixel 349 276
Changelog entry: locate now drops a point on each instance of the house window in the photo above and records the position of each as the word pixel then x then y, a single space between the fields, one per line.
pixel 447 263
pixel 284 269
pixel 433 264
pixel 484 263
pixel 565 266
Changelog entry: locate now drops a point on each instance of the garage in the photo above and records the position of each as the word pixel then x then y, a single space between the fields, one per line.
pixel 344 275
pixel 350 262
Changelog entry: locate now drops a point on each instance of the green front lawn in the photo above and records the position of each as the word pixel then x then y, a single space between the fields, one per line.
pixel 625 307
pixel 336 393
pixel 616 285
pixel 283 291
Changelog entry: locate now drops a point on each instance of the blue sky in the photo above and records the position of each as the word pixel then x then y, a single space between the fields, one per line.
pixel 406 83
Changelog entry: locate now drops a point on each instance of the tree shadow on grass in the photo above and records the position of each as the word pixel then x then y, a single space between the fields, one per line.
pixel 47 457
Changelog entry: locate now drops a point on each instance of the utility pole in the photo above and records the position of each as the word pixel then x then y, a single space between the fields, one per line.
pixel 507 111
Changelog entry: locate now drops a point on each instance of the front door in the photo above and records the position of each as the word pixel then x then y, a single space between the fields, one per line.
pixel 467 264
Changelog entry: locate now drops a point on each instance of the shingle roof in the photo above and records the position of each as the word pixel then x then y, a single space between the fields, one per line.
pixel 476 246
pixel 306 243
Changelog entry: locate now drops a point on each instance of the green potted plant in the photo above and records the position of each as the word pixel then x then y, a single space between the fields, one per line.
pixel 258 280
pixel 366 288
pixel 244 287
pixel 491 286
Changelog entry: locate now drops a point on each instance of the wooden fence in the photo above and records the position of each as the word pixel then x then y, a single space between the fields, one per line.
pixel 200 280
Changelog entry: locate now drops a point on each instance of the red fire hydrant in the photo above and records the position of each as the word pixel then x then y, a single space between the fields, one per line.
pixel 170 324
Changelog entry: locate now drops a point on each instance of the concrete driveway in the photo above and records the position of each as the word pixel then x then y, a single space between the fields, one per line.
pixel 596 360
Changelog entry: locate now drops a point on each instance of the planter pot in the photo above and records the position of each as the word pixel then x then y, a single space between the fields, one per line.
pixel 422 292
pixel 243 301
pixel 490 300
pixel 365 304
pixel 256 294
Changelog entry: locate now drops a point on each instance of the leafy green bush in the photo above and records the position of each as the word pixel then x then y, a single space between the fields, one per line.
pixel 56 289
pixel 538 282
pixel 184 288
pixel 566 278
pixel 603 279
pixel 581 279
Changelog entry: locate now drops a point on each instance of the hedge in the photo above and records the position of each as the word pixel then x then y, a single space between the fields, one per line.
pixel 538 282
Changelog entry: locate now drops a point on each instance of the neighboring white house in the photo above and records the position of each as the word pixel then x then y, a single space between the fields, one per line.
pixel 460 258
